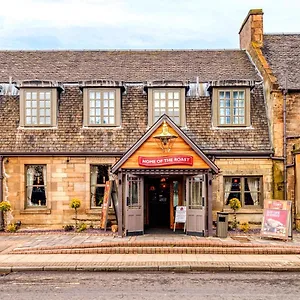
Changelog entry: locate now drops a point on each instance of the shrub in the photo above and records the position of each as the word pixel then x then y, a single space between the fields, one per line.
pixel 244 226
pixel 5 206
pixel 235 205
pixel 68 227
pixel 12 227
pixel 75 203
pixel 82 227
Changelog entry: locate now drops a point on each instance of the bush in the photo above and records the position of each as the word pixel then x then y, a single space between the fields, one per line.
pixel 68 227
pixel 75 203
pixel 235 205
pixel 5 206
pixel 245 227
pixel 82 227
pixel 12 227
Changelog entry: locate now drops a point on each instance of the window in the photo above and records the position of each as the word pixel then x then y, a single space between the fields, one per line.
pixel 36 195
pixel 102 107
pixel 247 189
pixel 38 107
pixel 169 102
pixel 195 193
pixel 99 175
pixel 232 107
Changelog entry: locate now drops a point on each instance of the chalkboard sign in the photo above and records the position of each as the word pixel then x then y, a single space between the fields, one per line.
pixel 180 215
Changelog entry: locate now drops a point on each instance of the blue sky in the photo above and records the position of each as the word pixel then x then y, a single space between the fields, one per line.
pixel 136 24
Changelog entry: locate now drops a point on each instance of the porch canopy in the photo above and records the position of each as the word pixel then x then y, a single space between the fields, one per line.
pixel 165 150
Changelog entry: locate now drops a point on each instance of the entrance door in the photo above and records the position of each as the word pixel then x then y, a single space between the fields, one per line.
pixel 195 205
pixel 134 219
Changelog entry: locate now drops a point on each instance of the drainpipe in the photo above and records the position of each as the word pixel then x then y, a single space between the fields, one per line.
pixel 1 192
pixel 284 146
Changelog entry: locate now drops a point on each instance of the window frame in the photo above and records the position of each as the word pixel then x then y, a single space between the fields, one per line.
pixel 216 106
pixel 53 106
pixel 151 114
pixel 26 206
pixel 86 106
pixel 242 192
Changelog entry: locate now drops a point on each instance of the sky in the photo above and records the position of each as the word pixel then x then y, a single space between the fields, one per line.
pixel 136 24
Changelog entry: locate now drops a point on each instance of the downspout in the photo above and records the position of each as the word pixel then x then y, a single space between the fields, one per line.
pixel 284 146
pixel 1 192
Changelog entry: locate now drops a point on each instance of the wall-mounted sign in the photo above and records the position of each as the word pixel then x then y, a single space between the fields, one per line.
pixel 165 160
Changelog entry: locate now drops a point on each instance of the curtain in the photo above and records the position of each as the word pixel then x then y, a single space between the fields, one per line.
pixel 30 178
pixel 253 184
pixel 45 183
pixel 94 175
pixel 227 182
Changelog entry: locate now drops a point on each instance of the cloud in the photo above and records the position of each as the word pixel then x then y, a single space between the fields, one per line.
pixel 83 24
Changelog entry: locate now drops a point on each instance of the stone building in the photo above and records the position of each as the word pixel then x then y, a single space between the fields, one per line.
pixel 277 59
pixel 71 119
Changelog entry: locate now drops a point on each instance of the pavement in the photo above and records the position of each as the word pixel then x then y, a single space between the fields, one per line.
pixel 104 251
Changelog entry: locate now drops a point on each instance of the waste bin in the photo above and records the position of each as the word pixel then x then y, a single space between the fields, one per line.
pixel 222 224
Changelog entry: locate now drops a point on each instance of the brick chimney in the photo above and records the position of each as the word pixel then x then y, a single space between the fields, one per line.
pixel 252 29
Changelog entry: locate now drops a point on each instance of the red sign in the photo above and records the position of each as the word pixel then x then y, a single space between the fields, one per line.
pixel 165 160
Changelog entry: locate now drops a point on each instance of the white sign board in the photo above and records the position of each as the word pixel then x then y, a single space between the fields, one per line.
pixel 180 214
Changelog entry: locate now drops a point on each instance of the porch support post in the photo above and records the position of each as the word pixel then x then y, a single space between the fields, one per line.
pixel 120 204
pixel 209 203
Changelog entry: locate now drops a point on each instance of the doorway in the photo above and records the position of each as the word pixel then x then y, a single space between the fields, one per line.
pixel 162 195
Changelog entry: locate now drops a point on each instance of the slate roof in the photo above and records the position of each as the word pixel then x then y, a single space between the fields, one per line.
pixel 282 52
pixel 70 136
pixel 129 66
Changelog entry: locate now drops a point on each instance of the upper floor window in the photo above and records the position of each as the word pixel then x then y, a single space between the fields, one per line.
pixel 102 107
pixel 38 107
pixel 231 107
pixel 167 101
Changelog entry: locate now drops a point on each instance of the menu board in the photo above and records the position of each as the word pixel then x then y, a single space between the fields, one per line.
pixel 277 219
pixel 180 214
pixel 106 203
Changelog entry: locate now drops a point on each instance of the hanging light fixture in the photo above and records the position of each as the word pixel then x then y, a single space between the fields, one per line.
pixel 165 139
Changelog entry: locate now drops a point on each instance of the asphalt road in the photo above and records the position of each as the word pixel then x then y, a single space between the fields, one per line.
pixel 158 286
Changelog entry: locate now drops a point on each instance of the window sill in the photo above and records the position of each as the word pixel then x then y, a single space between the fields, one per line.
pixel 246 210
pixel 33 211
pixel 96 211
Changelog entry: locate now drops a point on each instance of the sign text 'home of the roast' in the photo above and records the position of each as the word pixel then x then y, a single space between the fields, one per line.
pixel 159 161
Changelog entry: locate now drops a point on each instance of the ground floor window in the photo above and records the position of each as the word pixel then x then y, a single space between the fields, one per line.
pixel 36 185
pixel 99 175
pixel 247 189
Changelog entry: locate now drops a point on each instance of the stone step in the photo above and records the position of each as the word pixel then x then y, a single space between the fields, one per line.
pixel 163 250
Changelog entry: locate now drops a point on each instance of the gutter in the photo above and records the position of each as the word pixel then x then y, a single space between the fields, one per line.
pixel 72 154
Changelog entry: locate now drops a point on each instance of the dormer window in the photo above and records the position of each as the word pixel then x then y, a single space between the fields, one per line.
pixel 231 107
pixel 102 107
pixel 169 101
pixel 38 107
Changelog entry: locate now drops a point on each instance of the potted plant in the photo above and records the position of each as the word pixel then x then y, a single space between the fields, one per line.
pixel 235 204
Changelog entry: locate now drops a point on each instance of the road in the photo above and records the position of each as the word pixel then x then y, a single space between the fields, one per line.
pixel 156 286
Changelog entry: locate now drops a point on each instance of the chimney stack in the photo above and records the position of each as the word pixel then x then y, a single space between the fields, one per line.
pixel 252 30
